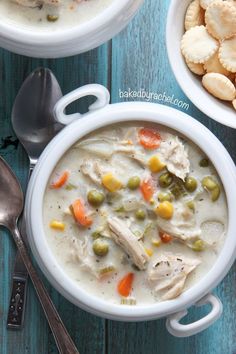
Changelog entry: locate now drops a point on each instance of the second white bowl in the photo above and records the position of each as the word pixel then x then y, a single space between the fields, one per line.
pixel 69 41
pixel 191 84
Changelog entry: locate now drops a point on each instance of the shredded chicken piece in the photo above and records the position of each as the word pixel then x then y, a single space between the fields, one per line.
pixel 93 170
pixel 175 157
pixel 79 253
pixel 128 241
pixel 168 274
pixel 105 147
pixel 182 225
pixel 138 157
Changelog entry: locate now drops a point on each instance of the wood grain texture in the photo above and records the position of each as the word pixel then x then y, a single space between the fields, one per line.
pixel 135 59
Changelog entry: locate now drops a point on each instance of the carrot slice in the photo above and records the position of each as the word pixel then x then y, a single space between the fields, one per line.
pixel 125 285
pixel 149 138
pixel 147 188
pixel 78 211
pixel 61 180
pixel 166 238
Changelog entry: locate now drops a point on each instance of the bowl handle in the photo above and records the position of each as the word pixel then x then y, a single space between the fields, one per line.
pixel 180 330
pixel 99 91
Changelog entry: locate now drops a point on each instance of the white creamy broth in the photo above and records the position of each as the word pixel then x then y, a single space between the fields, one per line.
pixel 68 13
pixel 167 245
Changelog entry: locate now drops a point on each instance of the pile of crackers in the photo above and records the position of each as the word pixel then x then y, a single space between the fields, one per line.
pixel 209 45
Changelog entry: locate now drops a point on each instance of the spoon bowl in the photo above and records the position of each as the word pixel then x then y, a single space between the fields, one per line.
pixel 11 196
pixel 32 115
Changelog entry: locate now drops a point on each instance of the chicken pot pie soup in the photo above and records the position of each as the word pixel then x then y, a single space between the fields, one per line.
pixel 135 214
pixel 51 14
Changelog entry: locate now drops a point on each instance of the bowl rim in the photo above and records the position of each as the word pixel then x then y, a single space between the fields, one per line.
pixel 203 100
pixel 111 114
pixel 32 36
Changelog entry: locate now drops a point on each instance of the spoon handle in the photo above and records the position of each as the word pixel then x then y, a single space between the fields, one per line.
pixel 16 312
pixel 63 340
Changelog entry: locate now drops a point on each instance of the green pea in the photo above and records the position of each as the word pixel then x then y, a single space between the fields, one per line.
pixel 95 198
pixel 215 193
pixel 133 182
pixel 165 180
pixel 120 209
pixel 52 18
pixel 140 214
pixel 177 190
pixel 191 205
pixel 204 162
pixel 190 184
pixel 162 197
pixel 96 234
pixel 100 247
pixel 198 246
pixel 211 186
pixel 208 183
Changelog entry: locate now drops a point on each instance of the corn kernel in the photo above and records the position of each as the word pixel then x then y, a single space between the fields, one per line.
pixel 155 165
pixel 149 252
pixel 165 210
pixel 57 225
pixel 198 246
pixel 111 183
pixel 156 243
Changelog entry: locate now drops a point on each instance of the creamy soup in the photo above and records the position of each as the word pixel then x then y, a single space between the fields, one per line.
pixel 135 214
pixel 53 14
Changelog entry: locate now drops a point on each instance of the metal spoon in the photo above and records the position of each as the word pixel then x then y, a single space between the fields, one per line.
pixel 34 125
pixel 32 114
pixel 11 206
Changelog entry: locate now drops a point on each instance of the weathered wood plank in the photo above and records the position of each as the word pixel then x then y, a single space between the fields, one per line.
pixel 87 331
pixel 139 61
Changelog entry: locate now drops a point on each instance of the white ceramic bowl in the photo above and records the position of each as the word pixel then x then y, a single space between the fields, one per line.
pixel 101 114
pixel 191 84
pixel 74 40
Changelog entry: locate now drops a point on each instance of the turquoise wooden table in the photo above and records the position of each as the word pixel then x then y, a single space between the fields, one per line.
pixel 135 59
